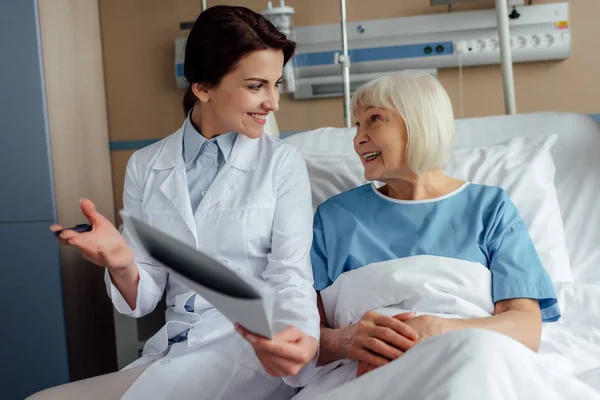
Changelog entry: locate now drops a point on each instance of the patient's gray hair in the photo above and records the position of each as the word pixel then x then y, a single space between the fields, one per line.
pixel 423 103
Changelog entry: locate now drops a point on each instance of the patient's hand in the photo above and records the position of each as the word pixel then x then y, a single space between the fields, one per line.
pixel 378 339
pixel 425 325
pixel 363 368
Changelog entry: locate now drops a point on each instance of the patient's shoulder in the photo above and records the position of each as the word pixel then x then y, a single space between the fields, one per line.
pixel 350 199
pixel 491 196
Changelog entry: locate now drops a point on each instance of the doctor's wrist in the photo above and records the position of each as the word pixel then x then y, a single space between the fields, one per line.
pixel 128 274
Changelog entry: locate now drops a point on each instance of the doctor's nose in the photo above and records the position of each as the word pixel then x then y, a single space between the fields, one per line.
pixel 271 103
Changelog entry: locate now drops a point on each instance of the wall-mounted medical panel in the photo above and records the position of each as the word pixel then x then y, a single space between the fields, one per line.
pixel 470 38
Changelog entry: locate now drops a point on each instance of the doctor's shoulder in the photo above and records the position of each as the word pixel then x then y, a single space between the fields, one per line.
pixel 280 154
pixel 142 161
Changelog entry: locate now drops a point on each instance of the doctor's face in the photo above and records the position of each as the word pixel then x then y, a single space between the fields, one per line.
pixel 247 94
pixel 380 142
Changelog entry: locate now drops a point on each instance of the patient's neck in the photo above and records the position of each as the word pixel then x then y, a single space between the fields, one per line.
pixel 429 185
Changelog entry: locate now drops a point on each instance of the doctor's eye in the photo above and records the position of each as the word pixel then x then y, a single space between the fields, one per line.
pixel 278 84
pixel 255 88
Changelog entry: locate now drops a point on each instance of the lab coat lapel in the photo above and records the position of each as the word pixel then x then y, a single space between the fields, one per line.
pixel 174 186
pixel 244 157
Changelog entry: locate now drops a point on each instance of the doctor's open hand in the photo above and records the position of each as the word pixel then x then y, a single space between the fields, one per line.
pixel 286 353
pixel 103 245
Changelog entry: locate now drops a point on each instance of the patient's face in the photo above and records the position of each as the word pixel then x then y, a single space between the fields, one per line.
pixel 380 142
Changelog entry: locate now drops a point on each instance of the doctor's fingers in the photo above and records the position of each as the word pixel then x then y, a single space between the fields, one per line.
pixel 89 210
pixel 268 368
pixel 67 237
pixel 279 367
pixel 55 227
pixel 282 350
pixel 289 334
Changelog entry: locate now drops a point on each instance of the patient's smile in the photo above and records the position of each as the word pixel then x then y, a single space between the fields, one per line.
pixel 371 155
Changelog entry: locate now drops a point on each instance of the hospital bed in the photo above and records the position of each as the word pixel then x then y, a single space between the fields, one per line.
pixel 334 168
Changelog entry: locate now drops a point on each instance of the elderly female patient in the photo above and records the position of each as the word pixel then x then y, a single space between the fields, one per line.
pixel 420 229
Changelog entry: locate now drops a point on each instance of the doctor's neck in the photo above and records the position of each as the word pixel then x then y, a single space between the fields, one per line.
pixel 206 122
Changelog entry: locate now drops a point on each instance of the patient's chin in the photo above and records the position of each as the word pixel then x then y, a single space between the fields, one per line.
pixel 371 176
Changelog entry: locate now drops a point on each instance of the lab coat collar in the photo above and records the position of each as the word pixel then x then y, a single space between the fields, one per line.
pixel 170 155
pixel 244 155
pixel 193 142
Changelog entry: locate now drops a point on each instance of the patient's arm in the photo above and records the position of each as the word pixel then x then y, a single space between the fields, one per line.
pixel 518 318
pixel 376 339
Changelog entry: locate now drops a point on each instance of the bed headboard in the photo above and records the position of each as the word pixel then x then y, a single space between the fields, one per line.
pixel 576 156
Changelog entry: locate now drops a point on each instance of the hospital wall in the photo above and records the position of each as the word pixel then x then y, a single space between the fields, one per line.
pixel 144 103
pixel 57 320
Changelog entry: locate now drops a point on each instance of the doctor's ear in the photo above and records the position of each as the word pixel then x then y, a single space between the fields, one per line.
pixel 201 92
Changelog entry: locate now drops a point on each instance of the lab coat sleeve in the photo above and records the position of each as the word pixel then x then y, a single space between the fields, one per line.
pixel 153 278
pixel 289 269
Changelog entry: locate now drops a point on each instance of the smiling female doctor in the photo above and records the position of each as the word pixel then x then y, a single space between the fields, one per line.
pixel 243 197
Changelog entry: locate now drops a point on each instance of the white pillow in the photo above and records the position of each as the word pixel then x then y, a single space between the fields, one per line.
pixel 522 166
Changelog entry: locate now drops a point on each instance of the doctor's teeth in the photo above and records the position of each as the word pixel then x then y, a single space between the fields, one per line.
pixel 258 116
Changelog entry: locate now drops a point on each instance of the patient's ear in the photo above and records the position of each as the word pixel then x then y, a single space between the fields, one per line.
pixel 201 92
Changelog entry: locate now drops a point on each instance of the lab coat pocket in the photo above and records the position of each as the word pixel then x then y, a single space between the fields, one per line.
pixel 221 235
pixel 166 222
pixel 257 232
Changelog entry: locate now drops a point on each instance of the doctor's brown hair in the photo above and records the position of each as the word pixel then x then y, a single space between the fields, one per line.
pixel 220 37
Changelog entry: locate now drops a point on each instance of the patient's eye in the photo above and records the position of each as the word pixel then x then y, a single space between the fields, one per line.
pixel 357 124
pixel 375 118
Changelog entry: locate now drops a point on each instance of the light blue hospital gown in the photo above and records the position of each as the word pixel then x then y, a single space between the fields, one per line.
pixel 474 223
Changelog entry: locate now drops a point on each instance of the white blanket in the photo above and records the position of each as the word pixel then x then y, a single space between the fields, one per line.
pixel 454 288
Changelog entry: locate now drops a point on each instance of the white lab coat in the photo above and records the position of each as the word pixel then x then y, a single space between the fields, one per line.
pixel 255 217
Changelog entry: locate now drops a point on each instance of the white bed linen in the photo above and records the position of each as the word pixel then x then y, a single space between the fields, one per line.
pixel 569 355
pixel 577 179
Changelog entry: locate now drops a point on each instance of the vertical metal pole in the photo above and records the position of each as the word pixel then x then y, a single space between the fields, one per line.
pixel 506 57
pixel 344 60
pixel 204 5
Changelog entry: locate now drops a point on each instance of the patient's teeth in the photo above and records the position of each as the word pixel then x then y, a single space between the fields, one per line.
pixel 371 155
